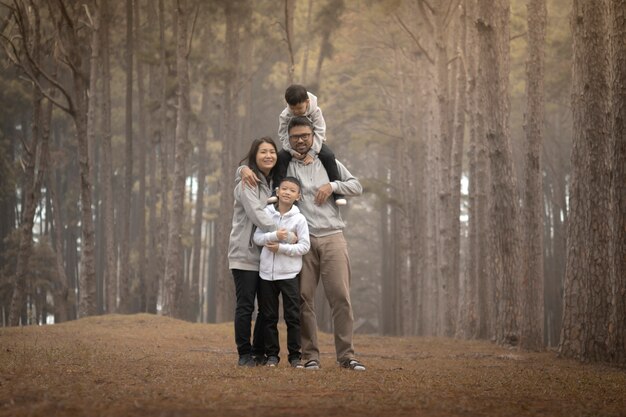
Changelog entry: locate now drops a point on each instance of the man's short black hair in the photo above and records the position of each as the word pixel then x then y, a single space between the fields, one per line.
pixel 296 94
pixel 299 121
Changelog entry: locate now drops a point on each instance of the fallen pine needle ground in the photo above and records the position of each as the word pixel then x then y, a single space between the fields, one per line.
pixel 145 365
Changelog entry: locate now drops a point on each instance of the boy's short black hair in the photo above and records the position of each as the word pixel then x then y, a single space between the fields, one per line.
pixel 293 180
pixel 296 94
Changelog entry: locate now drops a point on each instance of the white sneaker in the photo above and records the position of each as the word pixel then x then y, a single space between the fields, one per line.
pixel 341 201
pixel 273 199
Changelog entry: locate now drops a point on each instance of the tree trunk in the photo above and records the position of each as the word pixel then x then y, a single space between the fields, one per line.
pixel 587 293
pixel 225 305
pixel 531 296
pixel 290 10
pixel 617 331
pixel 33 175
pixel 108 212
pixel 138 294
pixel 152 274
pixel 125 244
pixel 456 170
pixel 194 301
pixel 173 279
pixel 493 35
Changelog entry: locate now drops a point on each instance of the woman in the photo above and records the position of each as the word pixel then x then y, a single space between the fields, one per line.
pixel 243 254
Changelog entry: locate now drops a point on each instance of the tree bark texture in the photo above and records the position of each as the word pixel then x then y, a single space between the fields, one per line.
pixel 617 327
pixel 531 294
pixel 493 35
pixel 125 245
pixel 587 294
pixel 173 279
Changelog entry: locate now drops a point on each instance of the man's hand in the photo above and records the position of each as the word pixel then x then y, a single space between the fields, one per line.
pixel 307 159
pixel 249 177
pixel 323 193
pixel 282 234
pixel 273 246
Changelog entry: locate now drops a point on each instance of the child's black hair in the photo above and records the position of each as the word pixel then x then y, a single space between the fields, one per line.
pixel 296 94
pixel 293 180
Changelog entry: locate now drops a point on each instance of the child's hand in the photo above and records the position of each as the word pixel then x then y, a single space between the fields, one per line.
pixel 297 155
pixel 272 246
pixel 249 177
pixel 282 234
pixel 307 159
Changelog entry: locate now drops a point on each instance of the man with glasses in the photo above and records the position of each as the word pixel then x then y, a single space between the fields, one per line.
pixel 328 258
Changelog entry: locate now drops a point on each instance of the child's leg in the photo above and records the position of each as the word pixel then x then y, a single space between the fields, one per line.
pixel 290 288
pixel 327 158
pixel 268 299
pixel 280 170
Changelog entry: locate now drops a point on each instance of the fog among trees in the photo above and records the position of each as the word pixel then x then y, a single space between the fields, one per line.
pixel 489 136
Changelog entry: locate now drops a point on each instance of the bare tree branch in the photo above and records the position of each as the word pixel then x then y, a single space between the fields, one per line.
pixel 427 19
pixel 417 42
pixel 450 13
pixel 519 35
pixel 191 32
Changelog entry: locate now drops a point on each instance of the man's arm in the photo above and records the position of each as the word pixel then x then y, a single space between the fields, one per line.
pixel 348 186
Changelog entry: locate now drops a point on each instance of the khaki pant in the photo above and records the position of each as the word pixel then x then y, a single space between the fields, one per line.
pixel 327 259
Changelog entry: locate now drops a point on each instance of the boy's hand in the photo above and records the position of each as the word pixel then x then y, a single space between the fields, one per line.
pixel 272 246
pixel 323 193
pixel 249 177
pixel 307 159
pixel 297 155
pixel 282 234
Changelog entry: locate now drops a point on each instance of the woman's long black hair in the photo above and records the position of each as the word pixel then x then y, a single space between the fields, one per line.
pixel 250 158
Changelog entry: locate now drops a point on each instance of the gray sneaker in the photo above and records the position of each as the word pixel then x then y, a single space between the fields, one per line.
pixel 352 364
pixel 246 360
pixel 296 363
pixel 272 361
pixel 313 364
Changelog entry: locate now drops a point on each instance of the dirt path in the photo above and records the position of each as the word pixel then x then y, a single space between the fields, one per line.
pixel 145 365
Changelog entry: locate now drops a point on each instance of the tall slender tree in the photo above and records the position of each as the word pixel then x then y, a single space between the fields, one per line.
pixel 173 280
pixel 531 296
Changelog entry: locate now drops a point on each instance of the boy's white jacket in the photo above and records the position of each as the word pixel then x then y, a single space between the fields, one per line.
pixel 287 262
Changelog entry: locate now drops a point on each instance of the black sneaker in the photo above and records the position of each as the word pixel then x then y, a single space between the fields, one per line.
pixel 260 360
pixel 246 360
pixel 272 361
pixel 296 363
pixel 352 364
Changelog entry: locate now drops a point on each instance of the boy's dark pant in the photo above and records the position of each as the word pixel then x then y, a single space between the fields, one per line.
pixel 326 157
pixel 246 286
pixel 268 292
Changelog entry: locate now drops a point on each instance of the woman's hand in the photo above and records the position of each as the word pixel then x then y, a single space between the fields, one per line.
pixel 272 246
pixel 249 177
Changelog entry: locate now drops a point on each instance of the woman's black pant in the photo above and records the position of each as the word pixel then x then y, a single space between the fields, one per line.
pixel 246 287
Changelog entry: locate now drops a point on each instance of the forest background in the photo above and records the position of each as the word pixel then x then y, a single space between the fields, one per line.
pixel 488 135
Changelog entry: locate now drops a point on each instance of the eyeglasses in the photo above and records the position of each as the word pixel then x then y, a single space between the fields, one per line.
pixel 303 136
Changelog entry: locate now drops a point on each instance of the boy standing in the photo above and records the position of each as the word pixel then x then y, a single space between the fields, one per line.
pixel 280 266
pixel 300 102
